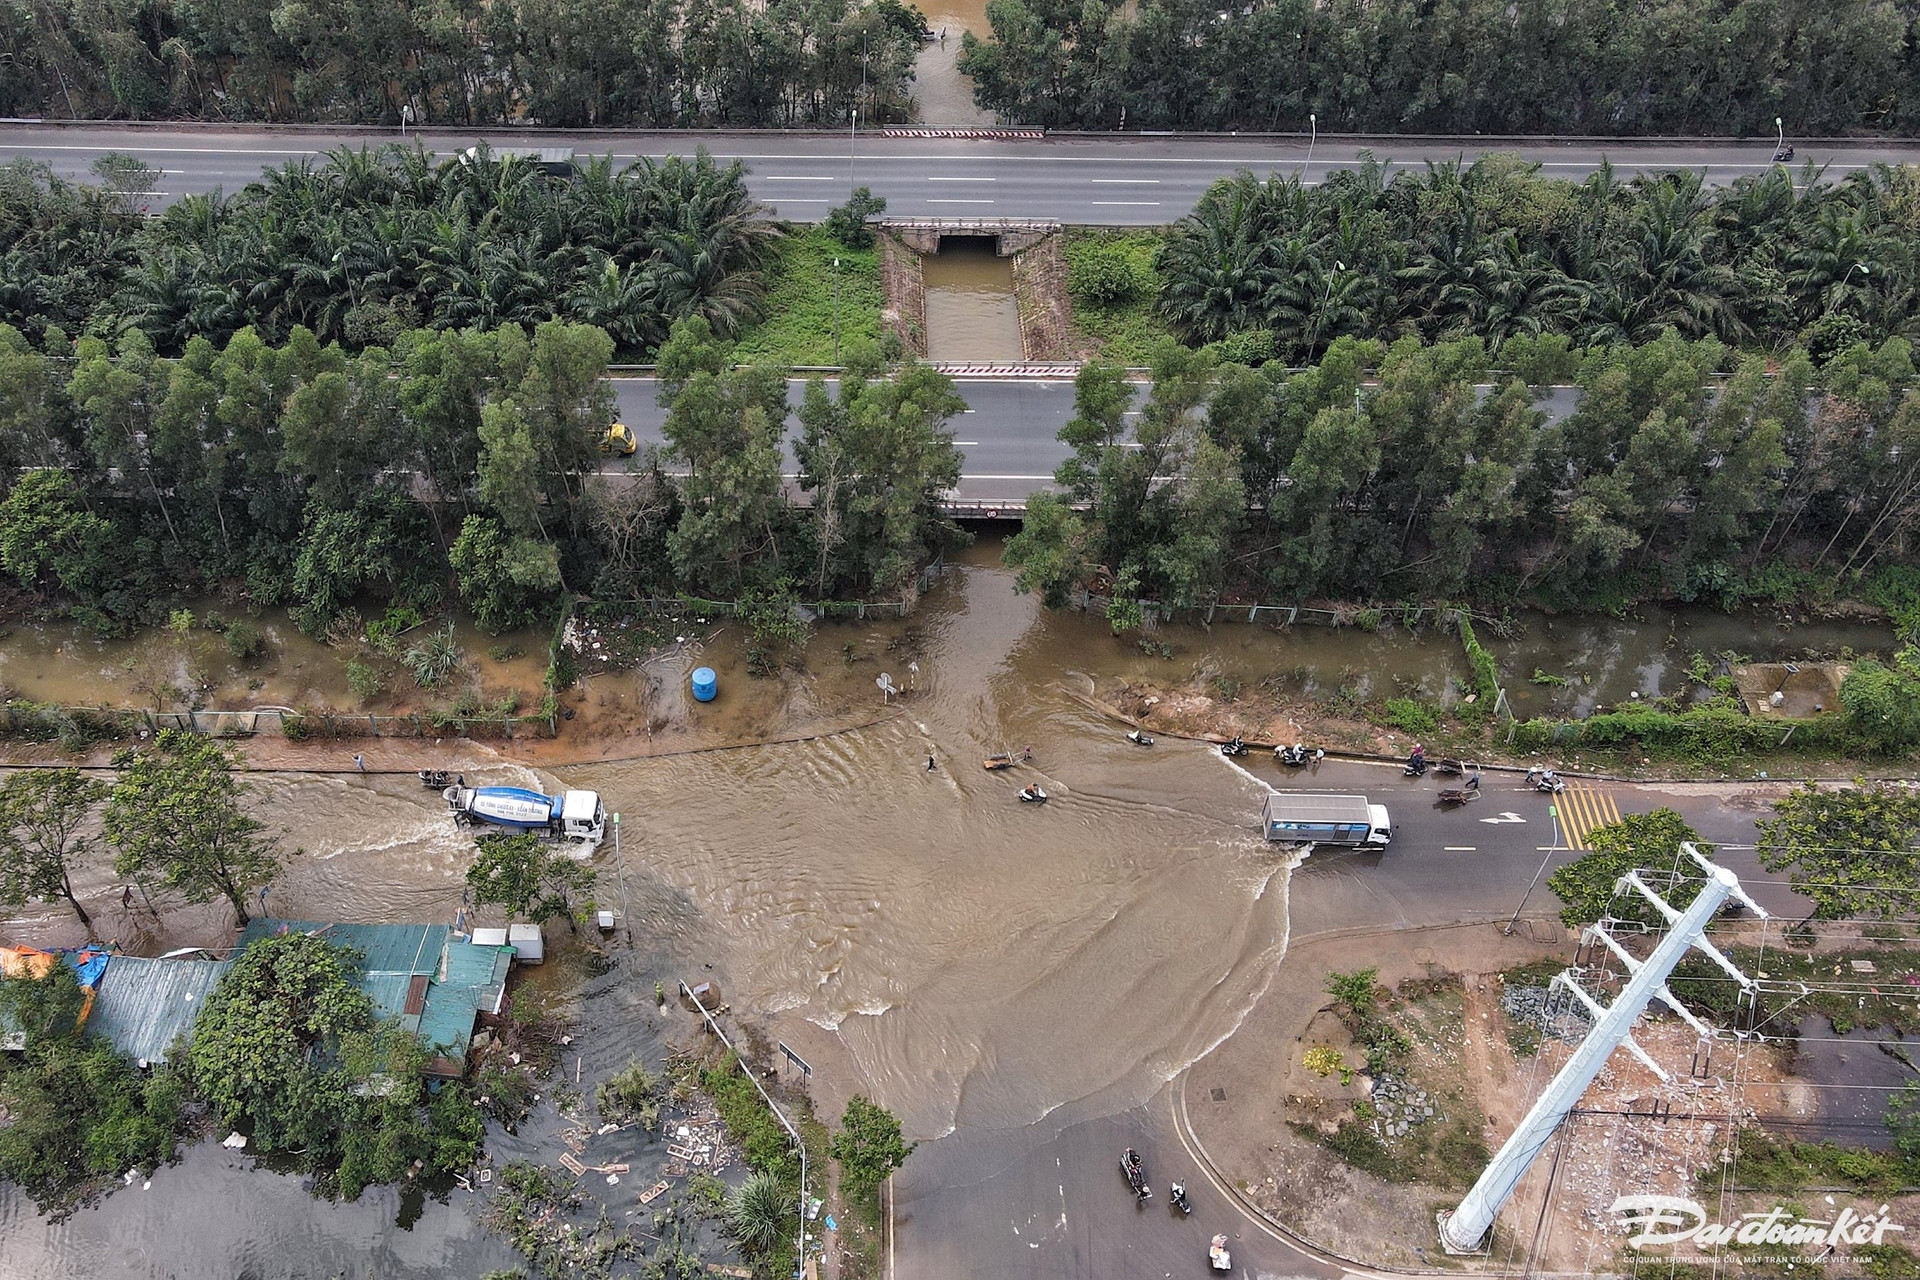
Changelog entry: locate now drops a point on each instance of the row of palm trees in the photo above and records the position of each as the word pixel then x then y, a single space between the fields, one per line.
pixel 1493 249
pixel 369 243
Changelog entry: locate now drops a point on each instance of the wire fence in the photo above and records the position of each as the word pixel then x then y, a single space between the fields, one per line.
pixel 76 727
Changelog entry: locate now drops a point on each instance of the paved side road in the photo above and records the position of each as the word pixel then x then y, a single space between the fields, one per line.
pixel 1009 433
pixel 1048 1203
pixel 1131 180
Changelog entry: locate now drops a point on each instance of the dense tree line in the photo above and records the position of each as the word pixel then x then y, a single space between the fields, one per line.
pixel 560 63
pixel 459 459
pixel 1686 469
pixel 1493 250
pixel 370 243
pixel 1607 67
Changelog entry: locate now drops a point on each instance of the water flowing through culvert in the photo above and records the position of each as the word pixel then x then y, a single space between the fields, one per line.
pixel 971 312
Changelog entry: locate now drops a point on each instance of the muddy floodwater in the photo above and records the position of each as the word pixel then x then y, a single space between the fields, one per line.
pixel 971 314
pixel 942 96
pixel 978 964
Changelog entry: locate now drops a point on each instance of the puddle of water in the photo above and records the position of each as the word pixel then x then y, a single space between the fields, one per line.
pixel 971 314
pixel 1605 660
pixel 943 95
pixel 64 663
pixel 1852 1077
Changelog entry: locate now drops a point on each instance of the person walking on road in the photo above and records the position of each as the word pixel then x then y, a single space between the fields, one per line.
pixel 929 762
pixel 359 762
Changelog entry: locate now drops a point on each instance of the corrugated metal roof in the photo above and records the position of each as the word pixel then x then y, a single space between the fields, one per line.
pixel 145 1005
pixel 387 948
pixel 430 980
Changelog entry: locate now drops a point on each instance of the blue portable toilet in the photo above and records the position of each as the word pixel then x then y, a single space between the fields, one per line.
pixel 706 686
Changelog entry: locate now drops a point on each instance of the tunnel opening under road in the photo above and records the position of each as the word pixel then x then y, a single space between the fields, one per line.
pixel 971 311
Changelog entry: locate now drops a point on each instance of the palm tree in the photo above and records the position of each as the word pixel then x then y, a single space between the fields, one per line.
pixel 760 1212
pixel 1216 263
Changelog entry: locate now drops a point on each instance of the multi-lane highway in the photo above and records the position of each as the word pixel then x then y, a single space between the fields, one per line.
pixel 1134 179
pixel 1009 432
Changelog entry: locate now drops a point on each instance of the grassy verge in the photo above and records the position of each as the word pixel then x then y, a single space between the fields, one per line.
pixel 799 326
pixel 1124 332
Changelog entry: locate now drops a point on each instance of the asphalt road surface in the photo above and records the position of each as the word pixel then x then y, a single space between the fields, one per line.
pixel 1050 1202
pixel 1009 432
pixel 1135 179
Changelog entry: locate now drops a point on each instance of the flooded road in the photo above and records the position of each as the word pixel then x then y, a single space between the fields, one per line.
pixel 943 97
pixel 971 314
pixel 999 972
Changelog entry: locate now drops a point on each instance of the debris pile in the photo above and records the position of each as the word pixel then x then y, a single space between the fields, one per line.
pixel 1547 1011
pixel 1398 1107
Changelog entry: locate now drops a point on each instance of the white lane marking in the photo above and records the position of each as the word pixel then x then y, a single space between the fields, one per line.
pixel 1460 848
pixel 1508 816
pixel 973 443
pixel 801 200
pixel 959 202
pixel 933 179
pixel 1127 182
pixel 1131 203
pixel 910 158
pixel 795 177
pixel 994 477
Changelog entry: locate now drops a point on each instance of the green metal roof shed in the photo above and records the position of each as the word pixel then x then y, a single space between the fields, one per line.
pixel 432 980
pixel 144 1006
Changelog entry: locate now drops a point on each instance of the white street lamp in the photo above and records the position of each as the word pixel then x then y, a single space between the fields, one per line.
pixel 1313 136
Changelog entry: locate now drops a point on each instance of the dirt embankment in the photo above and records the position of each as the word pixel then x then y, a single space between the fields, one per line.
pixel 1040 291
pixel 903 284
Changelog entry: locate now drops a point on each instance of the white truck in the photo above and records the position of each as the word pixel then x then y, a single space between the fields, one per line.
pixel 1292 817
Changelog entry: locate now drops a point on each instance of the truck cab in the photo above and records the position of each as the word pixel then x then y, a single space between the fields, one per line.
pixel 582 816
pixel 1381 825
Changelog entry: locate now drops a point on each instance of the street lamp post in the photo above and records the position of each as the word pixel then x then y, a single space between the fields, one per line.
pixel 836 311
pixel 1779 136
pixel 1326 302
pixel 1313 136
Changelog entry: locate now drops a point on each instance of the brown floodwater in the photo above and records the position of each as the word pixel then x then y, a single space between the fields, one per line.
pixel 942 96
pixel 921 936
pixel 971 314
pixel 63 663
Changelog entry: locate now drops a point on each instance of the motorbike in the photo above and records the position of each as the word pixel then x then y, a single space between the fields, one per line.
pixel 1297 755
pixel 1546 781
pixel 1217 1254
pixel 1139 739
pixel 1233 746
pixel 435 779
pixel 1034 794
pixel 1136 1173
pixel 1783 156
pixel 1447 767
pixel 1416 767
pixel 1177 1194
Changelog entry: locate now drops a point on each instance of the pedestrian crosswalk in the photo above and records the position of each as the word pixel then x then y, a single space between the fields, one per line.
pixel 1582 808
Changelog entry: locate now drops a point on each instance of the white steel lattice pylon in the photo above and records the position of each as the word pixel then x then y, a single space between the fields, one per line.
pixel 1462 1230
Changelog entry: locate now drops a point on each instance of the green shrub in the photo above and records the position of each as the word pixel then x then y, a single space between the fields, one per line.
pixel 1251 347
pixel 365 680
pixel 1104 276
pixel 1412 716
pixel 244 640
pixel 762 1141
